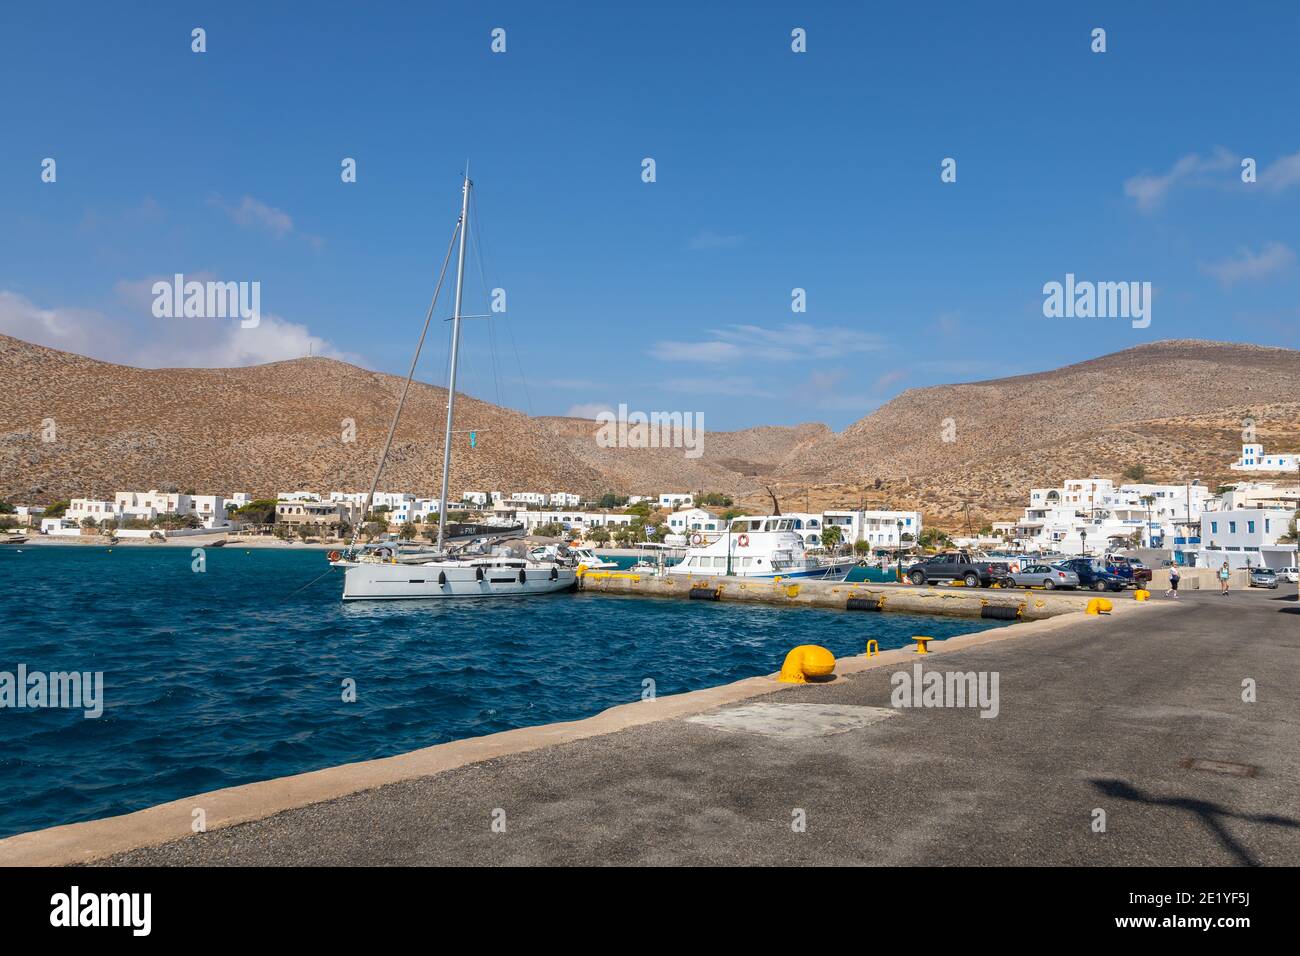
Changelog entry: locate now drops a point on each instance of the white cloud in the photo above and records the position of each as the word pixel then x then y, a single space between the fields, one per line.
pixel 159 343
pixel 254 214
pixel 1149 191
pixel 707 239
pixel 1247 265
pixel 718 352
pixel 1281 173
pixel 735 385
pixel 588 410
pixel 793 342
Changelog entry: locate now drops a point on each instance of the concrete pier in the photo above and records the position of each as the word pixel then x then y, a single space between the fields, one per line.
pixel 1142 715
pixel 867 596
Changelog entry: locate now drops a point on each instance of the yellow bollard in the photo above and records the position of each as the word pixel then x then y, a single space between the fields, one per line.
pixel 1099 606
pixel 806 660
pixel 921 644
pixel 873 648
pixel 792 590
pixel 1141 594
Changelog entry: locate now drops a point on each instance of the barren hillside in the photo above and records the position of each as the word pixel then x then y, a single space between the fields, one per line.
pixel 1174 407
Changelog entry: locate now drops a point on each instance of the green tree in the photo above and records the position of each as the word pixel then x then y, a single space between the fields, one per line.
pixel 373 529
pixel 611 500
pixel 304 532
pixel 6 508
pixel 89 522
pixel 407 531
pixel 552 529
pixel 831 535
pixel 56 509
pixel 713 499
pixel 861 547
pixel 1135 472
pixel 599 535
pixel 260 511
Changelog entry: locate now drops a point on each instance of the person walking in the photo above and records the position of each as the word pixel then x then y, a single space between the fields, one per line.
pixel 1173 583
pixel 1223 578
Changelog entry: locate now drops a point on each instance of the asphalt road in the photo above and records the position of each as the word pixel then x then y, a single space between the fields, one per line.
pixel 1100 716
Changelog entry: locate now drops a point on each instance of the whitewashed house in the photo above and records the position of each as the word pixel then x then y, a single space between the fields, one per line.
pixel 1253 458
pixel 883 529
pixel 1244 537
pixel 79 509
pixel 563 499
pixel 694 519
pixel 674 500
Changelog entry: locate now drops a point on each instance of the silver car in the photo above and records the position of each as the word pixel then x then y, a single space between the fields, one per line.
pixel 1041 576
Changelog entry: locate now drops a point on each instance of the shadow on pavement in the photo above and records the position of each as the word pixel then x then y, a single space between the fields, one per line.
pixel 1210 814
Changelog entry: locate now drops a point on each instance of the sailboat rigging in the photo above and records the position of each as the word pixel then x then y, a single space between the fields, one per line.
pixel 483 568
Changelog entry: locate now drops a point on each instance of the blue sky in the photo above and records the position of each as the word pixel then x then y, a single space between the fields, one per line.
pixel 775 170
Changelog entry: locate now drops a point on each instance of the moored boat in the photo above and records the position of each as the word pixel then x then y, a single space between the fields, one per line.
pixel 760 547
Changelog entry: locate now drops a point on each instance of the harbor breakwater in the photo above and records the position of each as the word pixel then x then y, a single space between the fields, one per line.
pixel 991 603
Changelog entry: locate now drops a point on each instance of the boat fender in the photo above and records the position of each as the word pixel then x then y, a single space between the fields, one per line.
pixel 442 578
pixel 478 574
pixel 523 575
pixel 555 574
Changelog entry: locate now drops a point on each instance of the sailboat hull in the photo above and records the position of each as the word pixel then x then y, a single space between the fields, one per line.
pixel 393 582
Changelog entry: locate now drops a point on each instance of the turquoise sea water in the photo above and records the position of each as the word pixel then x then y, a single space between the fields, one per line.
pixel 224 677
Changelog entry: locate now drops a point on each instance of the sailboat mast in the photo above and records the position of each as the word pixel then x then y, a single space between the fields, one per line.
pixel 455 350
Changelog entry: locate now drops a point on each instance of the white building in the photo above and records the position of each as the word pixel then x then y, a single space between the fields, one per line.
pixel 1244 537
pixel 1253 459
pixel 297 496
pixel 882 529
pixel 150 504
pixel 1092 514
pixel 675 500
pixel 210 509
pixel 392 500
pixel 1252 494
pixel 348 497
pixel 476 499
pixel 563 499
pixel 694 519
pixel 79 509
pixel 572 520
pixel 237 499
pixel 526 498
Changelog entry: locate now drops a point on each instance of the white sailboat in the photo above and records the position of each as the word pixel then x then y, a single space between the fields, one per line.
pixel 491 570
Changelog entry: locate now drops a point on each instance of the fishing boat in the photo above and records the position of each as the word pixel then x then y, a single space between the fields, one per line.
pixel 760 547
pixel 487 566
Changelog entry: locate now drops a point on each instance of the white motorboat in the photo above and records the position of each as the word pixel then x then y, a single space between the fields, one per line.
pixel 759 547
pixel 480 569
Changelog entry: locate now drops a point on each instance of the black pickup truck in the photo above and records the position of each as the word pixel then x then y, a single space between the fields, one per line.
pixel 956 566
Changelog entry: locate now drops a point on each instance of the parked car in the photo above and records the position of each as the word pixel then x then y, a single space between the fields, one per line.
pixel 956 566
pixel 1093 574
pixel 1290 575
pixel 1130 569
pixel 1263 578
pixel 1041 576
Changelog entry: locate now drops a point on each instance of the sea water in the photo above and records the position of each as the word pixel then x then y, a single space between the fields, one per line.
pixel 231 674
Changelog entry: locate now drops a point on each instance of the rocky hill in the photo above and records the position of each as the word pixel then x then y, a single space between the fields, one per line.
pixel 1173 407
